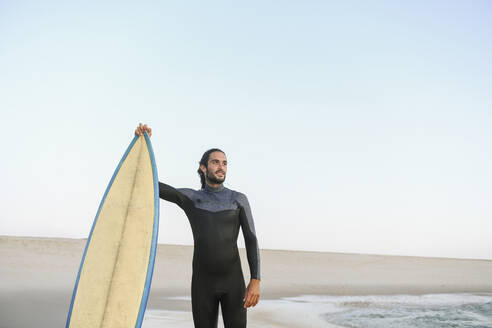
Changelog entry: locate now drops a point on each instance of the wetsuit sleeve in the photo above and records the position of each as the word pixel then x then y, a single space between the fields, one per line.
pixel 249 233
pixel 174 195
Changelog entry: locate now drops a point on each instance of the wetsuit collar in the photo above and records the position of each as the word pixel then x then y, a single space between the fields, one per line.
pixel 212 189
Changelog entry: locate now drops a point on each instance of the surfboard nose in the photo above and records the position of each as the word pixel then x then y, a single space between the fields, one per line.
pixel 116 269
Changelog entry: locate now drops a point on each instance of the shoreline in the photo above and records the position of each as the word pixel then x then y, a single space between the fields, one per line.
pixel 33 238
pixel 285 273
pixel 37 277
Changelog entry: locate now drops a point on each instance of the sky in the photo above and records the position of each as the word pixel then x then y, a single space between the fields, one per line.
pixel 352 126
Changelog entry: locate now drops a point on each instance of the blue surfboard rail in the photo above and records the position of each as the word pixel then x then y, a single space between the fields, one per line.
pixel 153 247
pixel 150 269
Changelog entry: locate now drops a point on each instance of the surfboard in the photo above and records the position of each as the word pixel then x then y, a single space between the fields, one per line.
pixel 113 281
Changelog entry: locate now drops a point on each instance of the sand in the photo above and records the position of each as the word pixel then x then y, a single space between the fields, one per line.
pixel 37 276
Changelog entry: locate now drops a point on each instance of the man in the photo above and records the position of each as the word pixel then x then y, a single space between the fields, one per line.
pixel 215 214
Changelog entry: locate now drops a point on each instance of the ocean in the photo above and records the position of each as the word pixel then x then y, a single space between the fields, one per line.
pixel 462 310
pixel 404 311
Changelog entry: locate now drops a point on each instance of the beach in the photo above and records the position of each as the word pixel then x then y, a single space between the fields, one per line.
pixel 37 277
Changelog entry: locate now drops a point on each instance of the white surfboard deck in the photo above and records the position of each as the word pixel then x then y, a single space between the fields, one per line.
pixel 113 282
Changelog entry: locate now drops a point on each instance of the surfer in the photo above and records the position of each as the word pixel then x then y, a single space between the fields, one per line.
pixel 215 214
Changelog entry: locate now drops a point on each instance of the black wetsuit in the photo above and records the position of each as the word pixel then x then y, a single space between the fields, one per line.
pixel 215 215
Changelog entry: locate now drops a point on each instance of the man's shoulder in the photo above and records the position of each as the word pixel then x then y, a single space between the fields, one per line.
pixel 239 196
pixel 187 191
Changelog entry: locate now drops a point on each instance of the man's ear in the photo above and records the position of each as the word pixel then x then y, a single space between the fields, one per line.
pixel 203 169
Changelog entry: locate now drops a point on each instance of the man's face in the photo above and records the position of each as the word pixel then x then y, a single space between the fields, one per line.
pixel 216 169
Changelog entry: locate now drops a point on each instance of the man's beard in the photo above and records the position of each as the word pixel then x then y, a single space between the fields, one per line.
pixel 213 179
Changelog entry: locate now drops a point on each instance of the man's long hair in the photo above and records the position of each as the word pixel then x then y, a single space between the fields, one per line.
pixel 204 162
